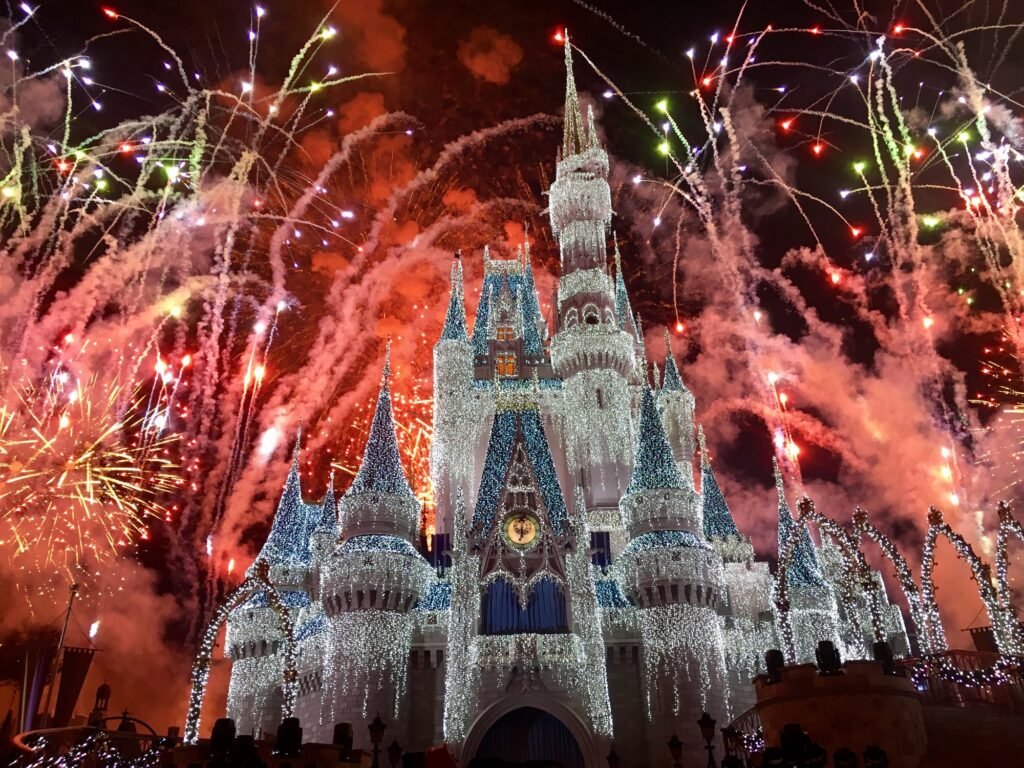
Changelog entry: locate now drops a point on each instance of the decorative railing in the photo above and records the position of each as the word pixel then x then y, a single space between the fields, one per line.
pixel 968 678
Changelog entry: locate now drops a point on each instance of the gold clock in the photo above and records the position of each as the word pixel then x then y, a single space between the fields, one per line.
pixel 521 529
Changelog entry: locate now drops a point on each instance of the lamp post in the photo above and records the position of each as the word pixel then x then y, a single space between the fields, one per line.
pixel 707 732
pixel 675 748
pixel 376 729
pixel 394 753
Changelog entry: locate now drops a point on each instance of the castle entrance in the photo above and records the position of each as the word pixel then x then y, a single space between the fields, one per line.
pixel 530 738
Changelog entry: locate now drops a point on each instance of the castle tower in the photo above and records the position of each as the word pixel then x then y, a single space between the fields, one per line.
pixel 676 580
pixel 591 351
pixel 676 404
pixel 456 411
pixel 747 610
pixel 253 640
pixel 370 584
pixel 523 597
pixel 813 614
pixel 324 536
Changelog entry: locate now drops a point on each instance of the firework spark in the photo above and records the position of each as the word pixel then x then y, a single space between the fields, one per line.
pixel 83 470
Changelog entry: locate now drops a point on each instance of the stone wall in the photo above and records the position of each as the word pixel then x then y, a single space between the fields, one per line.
pixel 861 707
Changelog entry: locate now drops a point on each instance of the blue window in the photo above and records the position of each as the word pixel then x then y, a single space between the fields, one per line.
pixel 545 612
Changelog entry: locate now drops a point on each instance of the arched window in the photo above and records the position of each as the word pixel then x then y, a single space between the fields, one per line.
pixel 591 315
pixel 572 318
pixel 545 612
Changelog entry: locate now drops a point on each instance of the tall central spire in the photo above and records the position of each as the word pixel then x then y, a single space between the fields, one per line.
pixel 574 137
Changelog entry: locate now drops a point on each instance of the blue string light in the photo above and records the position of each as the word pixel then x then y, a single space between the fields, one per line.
pixel 455 321
pixel 654 467
pixel 437 598
pixel 718 520
pixel 804 569
pixel 500 448
pixel 288 540
pixel 381 470
pixel 374 542
pixel 663 539
pixel 311 627
pixel 610 595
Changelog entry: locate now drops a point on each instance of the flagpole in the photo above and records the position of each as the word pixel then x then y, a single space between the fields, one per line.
pixel 56 658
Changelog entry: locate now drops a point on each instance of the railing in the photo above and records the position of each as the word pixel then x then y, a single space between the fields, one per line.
pixel 744 736
pixel 967 679
pixel 80 744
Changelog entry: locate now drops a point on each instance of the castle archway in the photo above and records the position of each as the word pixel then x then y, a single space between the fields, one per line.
pixel 530 727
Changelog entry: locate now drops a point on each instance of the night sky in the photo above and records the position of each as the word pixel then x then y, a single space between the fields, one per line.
pixel 873 398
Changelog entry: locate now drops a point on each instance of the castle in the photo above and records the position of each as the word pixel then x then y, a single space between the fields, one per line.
pixel 582 590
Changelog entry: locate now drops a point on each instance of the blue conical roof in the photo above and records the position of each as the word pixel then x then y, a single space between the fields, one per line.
pixel 672 381
pixel 804 570
pixel 533 344
pixel 718 520
pixel 623 309
pixel 480 325
pixel 288 540
pixel 654 467
pixel 507 430
pixel 381 469
pixel 455 321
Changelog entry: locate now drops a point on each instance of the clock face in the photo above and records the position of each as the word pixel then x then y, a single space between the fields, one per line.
pixel 521 529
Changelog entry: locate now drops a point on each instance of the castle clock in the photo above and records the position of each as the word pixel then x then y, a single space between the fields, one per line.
pixel 521 529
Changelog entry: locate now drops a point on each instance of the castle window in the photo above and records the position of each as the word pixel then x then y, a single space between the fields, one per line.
pixel 505 363
pixel 505 333
pixel 591 315
pixel 601 543
pixel 545 612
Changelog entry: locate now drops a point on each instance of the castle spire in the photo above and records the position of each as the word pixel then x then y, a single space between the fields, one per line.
pixel 673 381
pixel 623 309
pixel 381 469
pixel 654 467
pixel 288 540
pixel 574 138
pixel 718 520
pixel 804 570
pixel 481 325
pixel 532 321
pixel 328 522
pixel 455 320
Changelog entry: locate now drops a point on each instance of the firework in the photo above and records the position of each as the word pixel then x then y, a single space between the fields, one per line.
pixel 84 470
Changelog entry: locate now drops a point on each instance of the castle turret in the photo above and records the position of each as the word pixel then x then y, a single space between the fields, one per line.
pixel 254 641
pixel 591 351
pixel 676 579
pixel 324 537
pixel 677 404
pixel 746 605
pixel 531 583
pixel 455 409
pixel 814 615
pixel 371 583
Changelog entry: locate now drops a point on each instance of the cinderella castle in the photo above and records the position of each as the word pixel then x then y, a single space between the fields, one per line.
pixel 587 586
